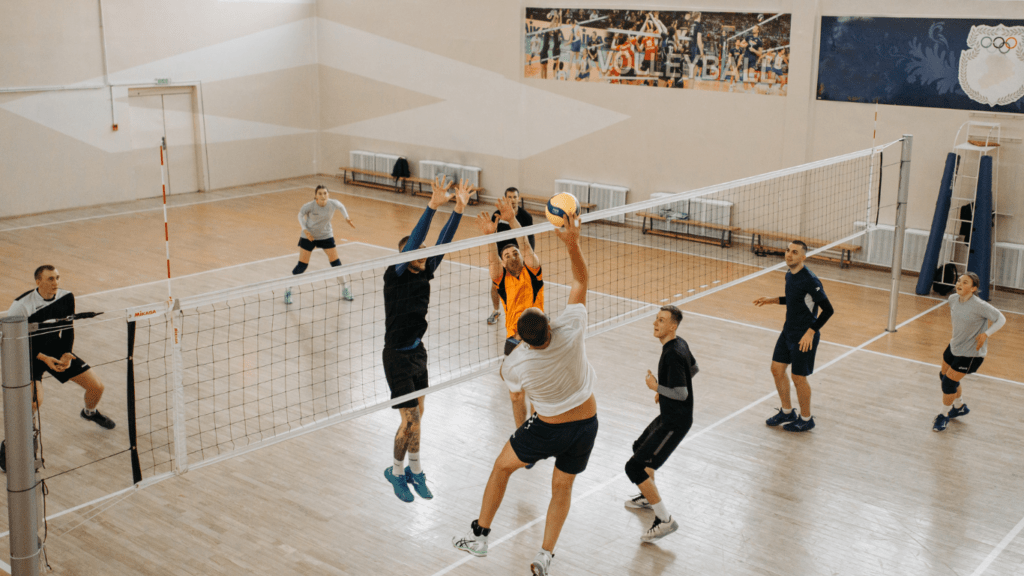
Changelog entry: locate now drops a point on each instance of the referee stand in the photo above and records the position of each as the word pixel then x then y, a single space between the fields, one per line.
pixel 22 479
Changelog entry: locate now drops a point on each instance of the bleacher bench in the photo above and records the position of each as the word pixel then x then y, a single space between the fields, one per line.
pixel 396 185
pixel 757 246
pixel 724 240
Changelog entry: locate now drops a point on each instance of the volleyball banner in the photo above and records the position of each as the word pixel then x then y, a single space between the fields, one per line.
pixel 719 51
pixel 964 64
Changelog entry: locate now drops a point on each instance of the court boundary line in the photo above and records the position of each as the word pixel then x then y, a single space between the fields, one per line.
pixel 998 549
pixel 687 439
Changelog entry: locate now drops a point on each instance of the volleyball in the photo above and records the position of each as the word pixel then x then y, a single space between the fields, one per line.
pixel 560 206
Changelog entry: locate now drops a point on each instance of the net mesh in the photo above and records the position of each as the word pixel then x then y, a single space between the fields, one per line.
pixel 253 368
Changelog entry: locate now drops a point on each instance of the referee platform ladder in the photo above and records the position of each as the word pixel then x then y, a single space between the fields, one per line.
pixel 974 140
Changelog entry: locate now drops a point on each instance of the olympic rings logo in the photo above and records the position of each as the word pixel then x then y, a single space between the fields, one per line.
pixel 1003 45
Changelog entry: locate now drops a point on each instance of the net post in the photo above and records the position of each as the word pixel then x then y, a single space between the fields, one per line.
pixel 130 393
pixel 178 393
pixel 901 226
pixel 22 511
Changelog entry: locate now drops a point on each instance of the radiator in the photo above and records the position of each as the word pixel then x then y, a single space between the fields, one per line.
pixel 877 245
pixel 605 196
pixel 431 169
pixel 581 190
pixel 677 210
pixel 1009 265
pixel 385 163
pixel 710 211
pixel 470 174
pixel 363 161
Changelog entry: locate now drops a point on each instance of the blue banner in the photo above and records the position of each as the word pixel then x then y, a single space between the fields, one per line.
pixel 975 64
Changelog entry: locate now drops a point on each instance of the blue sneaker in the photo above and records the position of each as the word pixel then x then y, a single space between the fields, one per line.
pixel 800 425
pixel 399 483
pixel 419 483
pixel 955 412
pixel 782 418
pixel 288 296
pixel 941 421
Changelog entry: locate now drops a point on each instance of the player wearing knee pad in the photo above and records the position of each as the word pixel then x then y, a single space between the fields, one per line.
pixel 315 219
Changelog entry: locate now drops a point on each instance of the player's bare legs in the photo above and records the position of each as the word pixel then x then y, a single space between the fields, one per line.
pixel 803 394
pixel 782 384
pixel 93 388
pixel 504 466
pixel 558 509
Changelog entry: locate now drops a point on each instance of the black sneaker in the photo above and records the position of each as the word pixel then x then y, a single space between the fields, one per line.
pixel 955 412
pixel 800 425
pixel 782 418
pixel 99 419
pixel 941 421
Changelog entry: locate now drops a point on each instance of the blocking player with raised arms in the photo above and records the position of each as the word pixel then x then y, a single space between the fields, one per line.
pixel 406 300
pixel 524 219
pixel 553 371
pixel 673 388
pixel 967 347
pixel 315 219
pixel 51 345
pixel 798 342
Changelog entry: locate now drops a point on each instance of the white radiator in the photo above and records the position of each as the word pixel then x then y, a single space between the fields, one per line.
pixel 385 163
pixel 877 245
pixel 431 169
pixel 677 210
pixel 363 161
pixel 1009 265
pixel 604 196
pixel 710 211
pixel 470 174
pixel 581 190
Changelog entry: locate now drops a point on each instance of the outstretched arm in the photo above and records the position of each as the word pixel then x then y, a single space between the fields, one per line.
pixel 508 214
pixel 570 235
pixel 461 194
pixel 419 233
pixel 486 226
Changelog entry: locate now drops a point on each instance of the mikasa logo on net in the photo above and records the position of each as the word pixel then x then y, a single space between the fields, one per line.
pixel 992 71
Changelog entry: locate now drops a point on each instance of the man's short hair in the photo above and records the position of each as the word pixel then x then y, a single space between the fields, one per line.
pixel 676 313
pixel 513 244
pixel 43 268
pixel 403 242
pixel 533 327
pixel 800 243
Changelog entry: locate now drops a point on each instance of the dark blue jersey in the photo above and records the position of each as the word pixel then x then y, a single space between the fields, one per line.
pixel 804 294
pixel 753 43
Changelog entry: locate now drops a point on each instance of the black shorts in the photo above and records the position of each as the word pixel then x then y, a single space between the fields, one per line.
pixel 962 364
pixel 406 372
pixel 510 345
pixel 647 66
pixel 77 367
pixel 657 442
pixel 786 353
pixel 309 245
pixel 569 443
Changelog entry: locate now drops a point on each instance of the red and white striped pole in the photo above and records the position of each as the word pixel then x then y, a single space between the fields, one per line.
pixel 167 235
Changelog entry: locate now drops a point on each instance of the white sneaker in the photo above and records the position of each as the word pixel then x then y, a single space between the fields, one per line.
pixel 659 529
pixel 493 318
pixel 541 563
pixel 346 293
pixel 475 545
pixel 288 296
pixel 638 502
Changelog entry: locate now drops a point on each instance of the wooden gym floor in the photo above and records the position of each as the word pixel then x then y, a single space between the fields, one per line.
pixel 872 490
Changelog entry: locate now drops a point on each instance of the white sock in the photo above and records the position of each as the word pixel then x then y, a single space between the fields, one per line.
pixel 784 411
pixel 89 412
pixel 399 467
pixel 805 418
pixel 959 402
pixel 661 511
pixel 945 410
pixel 414 463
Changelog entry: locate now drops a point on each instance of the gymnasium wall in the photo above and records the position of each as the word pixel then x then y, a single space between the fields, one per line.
pixel 252 66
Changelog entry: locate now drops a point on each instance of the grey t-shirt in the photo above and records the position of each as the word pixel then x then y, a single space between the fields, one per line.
pixel 970 319
pixel 317 219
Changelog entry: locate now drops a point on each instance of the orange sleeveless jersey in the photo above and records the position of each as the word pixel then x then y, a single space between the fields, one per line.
pixel 520 293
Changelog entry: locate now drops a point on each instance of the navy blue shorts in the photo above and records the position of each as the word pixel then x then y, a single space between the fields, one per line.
pixel 309 245
pixel 786 353
pixel 405 372
pixel 77 367
pixel 962 364
pixel 569 443
pixel 510 345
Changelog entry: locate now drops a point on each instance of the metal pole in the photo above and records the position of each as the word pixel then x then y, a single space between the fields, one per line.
pixel 901 227
pixel 22 513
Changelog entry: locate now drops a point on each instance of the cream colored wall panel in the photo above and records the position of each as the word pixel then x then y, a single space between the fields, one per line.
pixel 49 43
pixel 234 163
pixel 285 97
pixel 147 132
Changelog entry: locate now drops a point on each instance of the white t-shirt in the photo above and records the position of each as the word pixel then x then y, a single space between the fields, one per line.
pixel 558 378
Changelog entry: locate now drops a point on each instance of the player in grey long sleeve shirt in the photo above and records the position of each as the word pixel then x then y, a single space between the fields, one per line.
pixel 315 219
pixel 967 348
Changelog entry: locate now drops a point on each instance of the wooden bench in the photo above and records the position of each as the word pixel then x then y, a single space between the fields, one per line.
pixel 416 187
pixel 397 186
pixel 725 240
pixel 758 247
pixel 543 201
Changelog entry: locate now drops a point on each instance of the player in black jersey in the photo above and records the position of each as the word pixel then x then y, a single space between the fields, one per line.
pixel 674 393
pixel 51 343
pixel 406 299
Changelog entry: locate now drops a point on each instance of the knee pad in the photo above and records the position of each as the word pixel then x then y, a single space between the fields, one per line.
pixel 336 263
pixel 636 471
pixel 949 385
pixel 300 268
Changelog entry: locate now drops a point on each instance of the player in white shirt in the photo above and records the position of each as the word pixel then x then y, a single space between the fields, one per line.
pixel 551 368
pixel 315 219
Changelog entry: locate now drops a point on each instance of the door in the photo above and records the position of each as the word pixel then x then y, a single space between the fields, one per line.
pixel 157 115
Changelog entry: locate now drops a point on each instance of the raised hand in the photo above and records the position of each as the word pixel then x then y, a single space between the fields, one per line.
pixel 462 193
pixel 440 195
pixel 484 223
pixel 570 230
pixel 508 211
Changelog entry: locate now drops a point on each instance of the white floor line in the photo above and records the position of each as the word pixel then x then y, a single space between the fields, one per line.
pixel 687 440
pixel 154 209
pixel 998 549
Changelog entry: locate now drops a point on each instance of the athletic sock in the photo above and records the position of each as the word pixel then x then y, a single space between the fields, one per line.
pixel 959 402
pixel 399 467
pixel 805 418
pixel 89 412
pixel 479 530
pixel 945 410
pixel 784 411
pixel 414 462
pixel 661 511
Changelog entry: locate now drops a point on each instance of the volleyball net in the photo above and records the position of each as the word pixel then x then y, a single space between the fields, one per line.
pixel 213 375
